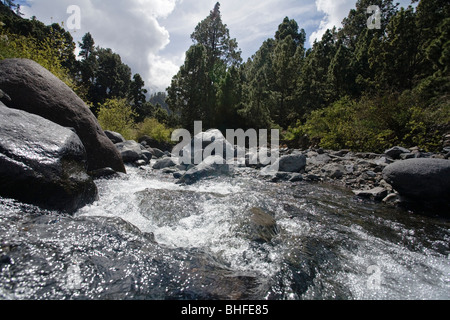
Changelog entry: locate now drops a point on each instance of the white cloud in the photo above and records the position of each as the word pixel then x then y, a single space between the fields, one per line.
pixel 335 12
pixel 162 71
pixel 129 27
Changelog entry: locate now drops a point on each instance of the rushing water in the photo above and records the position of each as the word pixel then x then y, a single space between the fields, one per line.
pixel 150 238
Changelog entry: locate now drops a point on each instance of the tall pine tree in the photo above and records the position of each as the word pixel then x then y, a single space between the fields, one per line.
pixel 193 92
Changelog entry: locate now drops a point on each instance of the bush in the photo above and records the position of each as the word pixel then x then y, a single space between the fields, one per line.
pixel 45 52
pixel 375 124
pixel 153 128
pixel 117 115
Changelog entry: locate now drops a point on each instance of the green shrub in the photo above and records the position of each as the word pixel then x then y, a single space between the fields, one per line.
pixel 45 52
pixel 153 128
pixel 375 124
pixel 117 115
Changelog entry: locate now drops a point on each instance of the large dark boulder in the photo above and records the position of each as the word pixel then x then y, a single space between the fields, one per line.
pixel 42 163
pixel 34 89
pixel 420 179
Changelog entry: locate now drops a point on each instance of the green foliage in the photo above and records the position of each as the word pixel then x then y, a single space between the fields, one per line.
pixel 197 91
pixel 153 128
pixel 375 124
pixel 46 52
pixel 118 116
pixel 190 94
pixel 214 35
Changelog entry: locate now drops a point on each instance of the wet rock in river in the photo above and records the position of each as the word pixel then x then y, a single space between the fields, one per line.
pixel 262 226
pixel 292 163
pixel 131 152
pixel 157 153
pixel 36 90
pixel 377 193
pixel 42 163
pixel 210 167
pixel 396 152
pixel 164 163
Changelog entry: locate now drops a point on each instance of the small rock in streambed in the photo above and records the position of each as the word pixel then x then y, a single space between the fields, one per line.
pixel 164 163
pixel 210 167
pixel 396 152
pixel 132 152
pixel 178 174
pixel 391 198
pixel 376 194
pixel 262 225
pixel 115 137
pixel 334 171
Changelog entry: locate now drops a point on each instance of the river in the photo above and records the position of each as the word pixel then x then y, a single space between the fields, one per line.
pixel 230 237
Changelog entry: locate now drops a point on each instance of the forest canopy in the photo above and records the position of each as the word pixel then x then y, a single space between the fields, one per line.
pixel 358 87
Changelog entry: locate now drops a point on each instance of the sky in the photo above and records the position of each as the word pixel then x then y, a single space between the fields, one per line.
pixel 152 36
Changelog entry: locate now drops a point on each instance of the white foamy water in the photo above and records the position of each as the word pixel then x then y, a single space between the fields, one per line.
pixel 329 246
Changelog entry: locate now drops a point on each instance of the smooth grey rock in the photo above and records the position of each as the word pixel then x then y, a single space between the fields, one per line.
pixel 377 193
pixel 164 163
pixel 420 179
pixel 115 137
pixel 292 163
pixel 131 151
pixel 42 163
pixel 320 159
pixel 34 89
pixel 211 166
pixel 157 153
pixel 153 143
pixel 395 152
pixel 179 174
pixel 148 156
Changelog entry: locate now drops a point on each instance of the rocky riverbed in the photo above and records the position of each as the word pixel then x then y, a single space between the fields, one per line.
pixel 421 177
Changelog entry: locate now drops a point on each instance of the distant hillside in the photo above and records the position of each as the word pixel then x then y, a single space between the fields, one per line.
pixel 160 98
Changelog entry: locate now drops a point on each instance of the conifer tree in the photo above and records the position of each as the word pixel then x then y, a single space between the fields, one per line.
pixel 194 90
